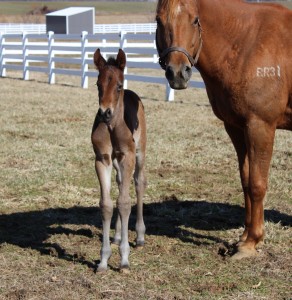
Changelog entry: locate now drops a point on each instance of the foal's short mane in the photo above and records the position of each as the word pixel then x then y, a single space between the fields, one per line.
pixel 111 62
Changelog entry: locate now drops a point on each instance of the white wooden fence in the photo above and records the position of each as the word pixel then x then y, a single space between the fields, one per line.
pixel 42 52
pixel 98 28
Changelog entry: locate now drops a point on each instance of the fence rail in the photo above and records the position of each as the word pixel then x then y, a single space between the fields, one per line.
pixel 55 54
pixel 98 28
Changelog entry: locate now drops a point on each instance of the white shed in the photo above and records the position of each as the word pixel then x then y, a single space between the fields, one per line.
pixel 71 20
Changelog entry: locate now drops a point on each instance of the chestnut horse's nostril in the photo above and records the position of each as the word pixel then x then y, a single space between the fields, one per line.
pixel 186 73
pixel 169 73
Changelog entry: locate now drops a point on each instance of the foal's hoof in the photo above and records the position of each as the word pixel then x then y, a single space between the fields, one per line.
pixel 125 270
pixel 140 244
pixel 101 269
pixel 116 242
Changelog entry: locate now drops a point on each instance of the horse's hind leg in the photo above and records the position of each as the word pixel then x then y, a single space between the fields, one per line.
pixel 140 185
pixel 103 169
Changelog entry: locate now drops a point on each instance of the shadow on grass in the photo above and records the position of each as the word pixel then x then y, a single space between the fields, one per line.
pixel 171 217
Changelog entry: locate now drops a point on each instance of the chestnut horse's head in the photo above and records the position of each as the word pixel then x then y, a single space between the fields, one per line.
pixel 109 83
pixel 178 39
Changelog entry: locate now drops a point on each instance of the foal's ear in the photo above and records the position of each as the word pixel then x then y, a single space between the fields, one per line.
pixel 121 60
pixel 99 61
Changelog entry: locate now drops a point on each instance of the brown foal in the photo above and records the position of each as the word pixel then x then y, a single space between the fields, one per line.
pixel 119 140
pixel 244 54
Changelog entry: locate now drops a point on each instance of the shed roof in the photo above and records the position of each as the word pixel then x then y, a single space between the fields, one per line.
pixel 69 11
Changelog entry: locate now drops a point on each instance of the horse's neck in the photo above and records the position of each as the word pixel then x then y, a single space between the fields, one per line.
pixel 222 23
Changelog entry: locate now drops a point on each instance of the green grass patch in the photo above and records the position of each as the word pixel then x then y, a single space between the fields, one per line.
pixel 101 7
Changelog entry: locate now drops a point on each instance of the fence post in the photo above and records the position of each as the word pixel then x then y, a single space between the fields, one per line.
pixel 25 57
pixel 123 43
pixel 169 93
pixel 84 42
pixel 51 57
pixel 2 59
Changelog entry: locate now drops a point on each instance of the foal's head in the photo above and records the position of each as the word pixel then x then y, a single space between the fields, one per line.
pixel 178 39
pixel 109 83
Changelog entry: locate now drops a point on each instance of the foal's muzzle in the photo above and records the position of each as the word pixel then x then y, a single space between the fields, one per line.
pixel 105 116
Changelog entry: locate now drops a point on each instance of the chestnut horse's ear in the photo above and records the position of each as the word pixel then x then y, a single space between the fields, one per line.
pixel 99 61
pixel 121 60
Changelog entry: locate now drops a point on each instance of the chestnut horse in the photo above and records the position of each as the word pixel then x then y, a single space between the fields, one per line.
pixel 244 54
pixel 119 140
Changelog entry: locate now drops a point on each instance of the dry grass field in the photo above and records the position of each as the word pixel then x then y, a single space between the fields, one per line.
pixel 50 224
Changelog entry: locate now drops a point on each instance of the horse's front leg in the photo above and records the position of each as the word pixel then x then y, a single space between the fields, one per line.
pixel 237 137
pixel 103 170
pixel 126 167
pixel 259 140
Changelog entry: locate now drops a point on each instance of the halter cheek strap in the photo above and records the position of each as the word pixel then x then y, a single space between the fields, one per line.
pixel 192 60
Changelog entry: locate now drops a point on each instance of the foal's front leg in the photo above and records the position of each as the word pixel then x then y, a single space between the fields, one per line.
pixel 126 166
pixel 117 237
pixel 103 170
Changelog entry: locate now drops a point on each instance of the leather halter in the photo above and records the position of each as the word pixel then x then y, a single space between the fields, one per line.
pixel 192 60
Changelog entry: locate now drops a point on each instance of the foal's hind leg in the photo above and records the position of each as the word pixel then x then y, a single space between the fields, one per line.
pixel 140 185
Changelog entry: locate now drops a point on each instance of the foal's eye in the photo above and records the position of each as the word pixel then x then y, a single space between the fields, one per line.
pixel 158 21
pixel 119 88
pixel 196 21
pixel 99 88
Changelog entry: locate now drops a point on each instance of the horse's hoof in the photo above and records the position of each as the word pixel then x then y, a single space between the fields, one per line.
pixel 116 242
pixel 125 270
pixel 140 244
pixel 244 253
pixel 101 269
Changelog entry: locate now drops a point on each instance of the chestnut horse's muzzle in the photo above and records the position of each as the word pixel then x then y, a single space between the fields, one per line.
pixel 178 79
pixel 105 116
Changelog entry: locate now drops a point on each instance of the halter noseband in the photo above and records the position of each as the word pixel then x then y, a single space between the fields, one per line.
pixel 192 60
